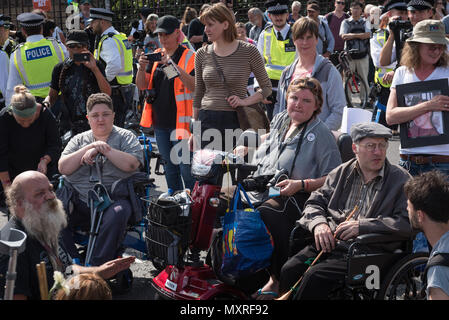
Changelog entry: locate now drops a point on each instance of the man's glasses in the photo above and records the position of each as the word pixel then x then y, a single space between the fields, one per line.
pixel 75 46
pixel 382 146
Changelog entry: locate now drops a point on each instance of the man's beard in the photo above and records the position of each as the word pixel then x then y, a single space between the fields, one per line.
pixel 46 223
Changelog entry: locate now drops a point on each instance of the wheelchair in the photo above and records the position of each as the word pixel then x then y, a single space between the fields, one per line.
pixel 400 270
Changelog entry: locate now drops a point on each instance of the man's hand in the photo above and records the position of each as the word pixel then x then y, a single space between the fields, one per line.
pixel 92 63
pixel 347 230
pixel 324 239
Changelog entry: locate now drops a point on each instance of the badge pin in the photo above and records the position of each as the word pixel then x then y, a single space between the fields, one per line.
pixel 311 137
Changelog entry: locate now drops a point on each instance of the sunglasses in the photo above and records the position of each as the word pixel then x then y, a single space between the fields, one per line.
pixel 340 2
pixel 75 46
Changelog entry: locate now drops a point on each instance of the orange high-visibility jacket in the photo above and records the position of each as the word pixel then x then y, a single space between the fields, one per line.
pixel 183 97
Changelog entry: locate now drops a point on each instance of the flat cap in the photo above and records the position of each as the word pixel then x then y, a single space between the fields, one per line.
pixel 369 129
pixel 29 19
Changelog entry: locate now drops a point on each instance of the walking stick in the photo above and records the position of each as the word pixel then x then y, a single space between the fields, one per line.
pixel 42 277
pixel 292 289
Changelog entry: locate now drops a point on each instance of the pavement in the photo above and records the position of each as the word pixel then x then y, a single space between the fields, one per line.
pixel 143 270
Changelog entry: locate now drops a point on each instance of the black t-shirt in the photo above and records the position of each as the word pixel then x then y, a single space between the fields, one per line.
pixel 196 28
pixel 21 148
pixel 164 106
pixel 27 282
pixel 78 83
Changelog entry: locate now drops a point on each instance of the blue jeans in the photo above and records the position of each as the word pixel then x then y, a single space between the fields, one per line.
pixel 420 243
pixel 175 173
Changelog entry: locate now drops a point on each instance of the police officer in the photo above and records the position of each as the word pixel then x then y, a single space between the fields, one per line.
pixel 384 73
pixel 32 62
pixel 114 50
pixel 4 62
pixel 276 46
pixel 417 10
pixel 6 43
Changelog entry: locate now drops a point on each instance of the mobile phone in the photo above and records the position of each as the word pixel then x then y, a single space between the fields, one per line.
pixel 170 71
pixel 274 192
pixel 81 57
pixel 154 57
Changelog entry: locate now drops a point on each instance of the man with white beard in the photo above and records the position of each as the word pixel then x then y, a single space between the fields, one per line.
pixel 37 212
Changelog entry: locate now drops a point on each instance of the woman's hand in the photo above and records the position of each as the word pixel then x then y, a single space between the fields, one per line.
pixel 235 101
pixel 143 62
pixel 439 103
pixel 89 157
pixel 289 187
pixel 101 147
pixel 324 239
pixel 240 151
pixel 42 166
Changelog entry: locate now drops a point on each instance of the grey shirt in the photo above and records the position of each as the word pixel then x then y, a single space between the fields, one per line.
pixel 317 157
pixel 119 139
pixel 438 276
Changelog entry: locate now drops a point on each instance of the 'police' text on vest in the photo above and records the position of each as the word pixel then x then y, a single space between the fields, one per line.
pixel 38 53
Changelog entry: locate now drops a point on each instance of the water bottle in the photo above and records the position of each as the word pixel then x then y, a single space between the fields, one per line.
pixel 167 195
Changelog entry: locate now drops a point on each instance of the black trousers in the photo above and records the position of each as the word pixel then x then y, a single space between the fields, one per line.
pixel 122 99
pixel 279 215
pixel 325 276
pixel 218 139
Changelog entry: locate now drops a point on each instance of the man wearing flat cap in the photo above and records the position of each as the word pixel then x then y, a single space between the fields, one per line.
pixel 276 45
pixel 370 185
pixel 32 62
pixel 115 51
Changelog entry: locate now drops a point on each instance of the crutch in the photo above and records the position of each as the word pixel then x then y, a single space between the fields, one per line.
pixel 292 289
pixel 12 243
pixel 98 200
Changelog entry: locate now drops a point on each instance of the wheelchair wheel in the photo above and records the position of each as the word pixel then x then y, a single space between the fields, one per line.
pixel 356 92
pixel 403 281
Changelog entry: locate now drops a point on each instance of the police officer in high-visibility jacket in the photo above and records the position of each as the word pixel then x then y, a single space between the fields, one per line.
pixel 32 63
pixel 115 51
pixel 276 46
pixel 169 82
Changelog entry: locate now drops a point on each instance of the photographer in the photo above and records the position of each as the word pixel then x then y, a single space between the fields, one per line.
pixel 168 76
pixel 76 79
pixel 6 43
pixel 384 73
pixel 400 30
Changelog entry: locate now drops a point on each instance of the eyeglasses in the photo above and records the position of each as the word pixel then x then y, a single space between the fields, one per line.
pixel 382 146
pixel 96 116
pixel 75 46
pixel 340 2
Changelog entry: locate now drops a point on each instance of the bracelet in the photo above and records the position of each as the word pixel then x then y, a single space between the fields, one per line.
pixel 47 158
pixel 303 185
pixel 307 185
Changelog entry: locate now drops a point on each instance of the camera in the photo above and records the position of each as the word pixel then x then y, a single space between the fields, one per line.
pixel 154 57
pixel 150 95
pixel 400 24
pixel 81 57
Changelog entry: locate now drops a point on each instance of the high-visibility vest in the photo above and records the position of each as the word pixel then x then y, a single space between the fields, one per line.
pixel 186 43
pixel 34 62
pixel 276 58
pixel 125 76
pixel 183 97
pixel 381 37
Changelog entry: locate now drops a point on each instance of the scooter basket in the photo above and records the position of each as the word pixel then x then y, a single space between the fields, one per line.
pixel 167 237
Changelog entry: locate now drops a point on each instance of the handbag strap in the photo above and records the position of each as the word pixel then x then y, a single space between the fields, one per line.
pixel 217 66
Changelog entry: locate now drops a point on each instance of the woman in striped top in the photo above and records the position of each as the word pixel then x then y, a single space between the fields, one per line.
pixel 216 99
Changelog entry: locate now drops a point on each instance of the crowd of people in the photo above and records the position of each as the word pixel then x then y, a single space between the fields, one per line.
pixel 205 68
